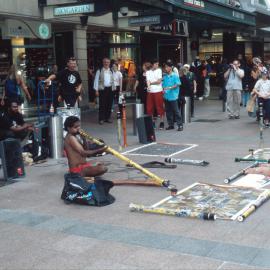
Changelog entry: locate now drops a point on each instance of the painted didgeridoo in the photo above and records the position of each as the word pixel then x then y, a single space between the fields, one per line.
pixel 242 172
pixel 172 212
pixel 160 181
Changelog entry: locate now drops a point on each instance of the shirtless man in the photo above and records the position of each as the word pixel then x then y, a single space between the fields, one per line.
pixel 75 149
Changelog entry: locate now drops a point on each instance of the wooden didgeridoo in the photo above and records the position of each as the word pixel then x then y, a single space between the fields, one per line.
pixel 128 182
pixel 159 181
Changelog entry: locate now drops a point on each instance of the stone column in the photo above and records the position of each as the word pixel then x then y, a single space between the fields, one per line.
pixel 80 52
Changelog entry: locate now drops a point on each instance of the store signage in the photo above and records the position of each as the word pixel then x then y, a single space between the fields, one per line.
pixel 144 20
pixel 26 29
pixel 238 15
pixel 176 28
pixel 73 10
pixel 195 3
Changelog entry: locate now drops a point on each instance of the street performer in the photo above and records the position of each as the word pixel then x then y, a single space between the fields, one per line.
pixel 76 151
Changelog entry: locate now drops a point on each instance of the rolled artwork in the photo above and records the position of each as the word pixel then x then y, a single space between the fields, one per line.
pixel 252 208
pixel 172 212
pixel 160 181
pixel 187 161
pixel 242 172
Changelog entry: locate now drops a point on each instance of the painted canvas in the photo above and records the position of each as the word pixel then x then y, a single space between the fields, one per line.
pixel 204 201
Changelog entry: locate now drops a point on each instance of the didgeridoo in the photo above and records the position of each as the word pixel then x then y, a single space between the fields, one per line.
pixel 160 181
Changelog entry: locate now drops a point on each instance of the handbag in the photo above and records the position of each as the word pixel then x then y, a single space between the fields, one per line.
pixel 251 106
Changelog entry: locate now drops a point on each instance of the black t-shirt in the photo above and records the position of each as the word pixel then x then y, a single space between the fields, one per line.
pixel 8 120
pixel 68 80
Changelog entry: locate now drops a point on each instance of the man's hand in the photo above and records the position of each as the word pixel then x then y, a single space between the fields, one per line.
pixel 97 94
pixel 2 102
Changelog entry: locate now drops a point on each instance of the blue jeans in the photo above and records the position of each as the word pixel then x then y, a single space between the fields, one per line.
pixel 172 110
pixel 245 97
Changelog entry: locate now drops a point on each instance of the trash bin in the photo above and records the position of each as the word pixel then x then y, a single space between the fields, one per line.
pixel 137 111
pixel 186 111
pixel 56 136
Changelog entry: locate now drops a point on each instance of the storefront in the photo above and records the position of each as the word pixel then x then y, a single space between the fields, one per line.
pixel 29 46
pixel 121 47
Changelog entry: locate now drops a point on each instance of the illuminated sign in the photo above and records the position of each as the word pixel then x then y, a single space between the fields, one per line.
pixel 73 10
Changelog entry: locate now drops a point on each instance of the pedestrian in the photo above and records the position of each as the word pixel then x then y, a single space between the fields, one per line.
pixel 170 84
pixel 155 93
pixel 262 90
pixel 70 83
pixel 12 124
pixel 118 84
pixel 193 85
pixel 13 86
pixel 205 73
pixel 234 76
pixel 104 86
pixel 140 86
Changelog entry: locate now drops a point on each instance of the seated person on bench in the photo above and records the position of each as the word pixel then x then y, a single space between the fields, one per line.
pixel 12 124
pixel 76 150
pixel 261 169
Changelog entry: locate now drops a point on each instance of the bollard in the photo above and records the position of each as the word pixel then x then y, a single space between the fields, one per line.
pixel 137 111
pixel 186 111
pixel 56 136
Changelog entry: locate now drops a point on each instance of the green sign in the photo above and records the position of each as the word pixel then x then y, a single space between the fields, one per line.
pixel 73 10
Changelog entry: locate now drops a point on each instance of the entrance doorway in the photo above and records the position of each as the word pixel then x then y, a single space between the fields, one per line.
pixel 170 49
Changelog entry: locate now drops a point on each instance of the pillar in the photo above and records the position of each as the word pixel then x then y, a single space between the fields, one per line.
pixel 229 46
pixel 80 52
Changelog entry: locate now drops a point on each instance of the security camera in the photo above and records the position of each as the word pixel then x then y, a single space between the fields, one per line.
pixel 124 11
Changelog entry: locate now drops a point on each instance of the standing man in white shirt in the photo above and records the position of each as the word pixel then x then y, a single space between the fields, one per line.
pixel 104 85
pixel 155 93
pixel 118 83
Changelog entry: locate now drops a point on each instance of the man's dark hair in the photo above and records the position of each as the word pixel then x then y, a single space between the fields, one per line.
pixel 10 101
pixel 154 61
pixel 70 121
pixel 70 58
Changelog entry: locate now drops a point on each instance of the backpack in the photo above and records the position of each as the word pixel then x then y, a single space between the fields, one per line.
pixel 78 190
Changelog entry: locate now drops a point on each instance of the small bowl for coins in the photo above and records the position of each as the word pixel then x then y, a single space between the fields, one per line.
pixel 173 191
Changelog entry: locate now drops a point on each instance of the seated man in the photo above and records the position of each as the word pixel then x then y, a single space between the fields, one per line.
pixel 76 150
pixel 12 124
pixel 262 169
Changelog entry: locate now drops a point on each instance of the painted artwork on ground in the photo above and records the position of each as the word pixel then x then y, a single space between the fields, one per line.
pixel 253 180
pixel 203 201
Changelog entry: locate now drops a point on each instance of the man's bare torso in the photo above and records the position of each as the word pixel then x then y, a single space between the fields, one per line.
pixel 74 157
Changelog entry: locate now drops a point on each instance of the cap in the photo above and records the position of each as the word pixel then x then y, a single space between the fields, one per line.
pixel 186 66
pixel 169 63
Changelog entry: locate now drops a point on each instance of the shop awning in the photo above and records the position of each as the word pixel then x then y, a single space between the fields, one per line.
pixel 216 9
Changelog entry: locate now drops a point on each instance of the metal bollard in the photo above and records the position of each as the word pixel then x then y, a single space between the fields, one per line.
pixel 186 111
pixel 137 111
pixel 56 136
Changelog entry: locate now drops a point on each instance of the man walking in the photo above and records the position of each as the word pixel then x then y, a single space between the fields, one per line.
pixel 234 76
pixel 70 83
pixel 104 85
pixel 170 85
pixel 155 93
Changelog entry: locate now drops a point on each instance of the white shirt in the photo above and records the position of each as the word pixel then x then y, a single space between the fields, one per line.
pixel 107 78
pixel 153 76
pixel 117 77
pixel 263 87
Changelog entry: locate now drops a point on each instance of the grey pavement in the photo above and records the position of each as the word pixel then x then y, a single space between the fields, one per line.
pixel 39 231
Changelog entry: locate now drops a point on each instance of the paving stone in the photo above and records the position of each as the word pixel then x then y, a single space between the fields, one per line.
pixel 234 253
pixel 262 259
